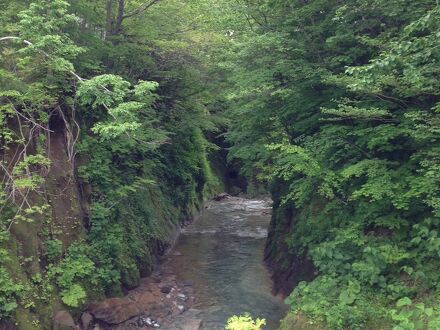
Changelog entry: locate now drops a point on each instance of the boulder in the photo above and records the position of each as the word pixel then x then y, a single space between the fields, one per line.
pixel 114 310
pixel 63 321
pixel 86 320
pixel 145 299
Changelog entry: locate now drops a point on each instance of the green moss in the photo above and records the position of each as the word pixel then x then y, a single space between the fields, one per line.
pixel 24 320
pixel 297 322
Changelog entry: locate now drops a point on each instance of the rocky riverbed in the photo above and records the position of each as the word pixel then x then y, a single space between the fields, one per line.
pixel 215 271
pixel 157 302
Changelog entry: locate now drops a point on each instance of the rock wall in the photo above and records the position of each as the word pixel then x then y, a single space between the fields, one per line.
pixel 288 267
pixel 26 245
pixel 67 219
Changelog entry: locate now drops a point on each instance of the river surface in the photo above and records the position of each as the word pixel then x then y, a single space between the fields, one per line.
pixel 221 254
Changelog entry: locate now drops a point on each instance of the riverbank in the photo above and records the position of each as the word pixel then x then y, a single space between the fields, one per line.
pixel 155 303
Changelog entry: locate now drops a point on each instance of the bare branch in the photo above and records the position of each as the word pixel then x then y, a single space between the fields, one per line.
pixel 71 138
pixel 26 118
pixel 140 9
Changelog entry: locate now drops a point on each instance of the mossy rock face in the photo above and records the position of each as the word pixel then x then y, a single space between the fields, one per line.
pixel 25 244
pixel 25 321
pixel 297 322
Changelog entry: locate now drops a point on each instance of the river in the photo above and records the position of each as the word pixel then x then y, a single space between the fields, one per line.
pixel 221 254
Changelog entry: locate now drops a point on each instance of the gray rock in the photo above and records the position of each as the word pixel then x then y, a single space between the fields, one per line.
pixel 63 320
pixel 147 321
pixel 86 319
pixel 181 296
pixel 221 197
pixel 166 289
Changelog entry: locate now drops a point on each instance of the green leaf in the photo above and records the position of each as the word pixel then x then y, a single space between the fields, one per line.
pixel 405 301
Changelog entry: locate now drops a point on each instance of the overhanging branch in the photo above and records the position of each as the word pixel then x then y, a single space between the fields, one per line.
pixel 41 51
pixel 140 9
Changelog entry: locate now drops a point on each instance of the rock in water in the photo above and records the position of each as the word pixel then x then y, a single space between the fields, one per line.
pixel 186 283
pixel 192 324
pixel 221 197
pixel 185 323
pixel 181 296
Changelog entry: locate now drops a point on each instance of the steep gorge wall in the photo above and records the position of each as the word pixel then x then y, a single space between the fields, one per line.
pixel 27 245
pixel 144 223
pixel 288 266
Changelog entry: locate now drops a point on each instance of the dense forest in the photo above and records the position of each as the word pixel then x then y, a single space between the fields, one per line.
pixel 119 118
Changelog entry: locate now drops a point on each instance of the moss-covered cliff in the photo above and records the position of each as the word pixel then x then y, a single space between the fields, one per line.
pixel 80 248
pixel 289 266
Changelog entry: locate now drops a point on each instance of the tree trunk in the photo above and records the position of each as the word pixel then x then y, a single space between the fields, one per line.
pixel 120 17
pixel 109 21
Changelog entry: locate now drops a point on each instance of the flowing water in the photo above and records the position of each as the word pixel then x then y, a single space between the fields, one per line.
pixel 222 254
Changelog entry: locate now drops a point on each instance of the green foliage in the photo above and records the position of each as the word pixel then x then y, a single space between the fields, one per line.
pixel 330 301
pixel 72 270
pixel 409 316
pixel 10 290
pixel 135 117
pixel 244 322
pixel 74 295
pixel 54 249
pixel 337 103
pixel 342 115
pixel 71 78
